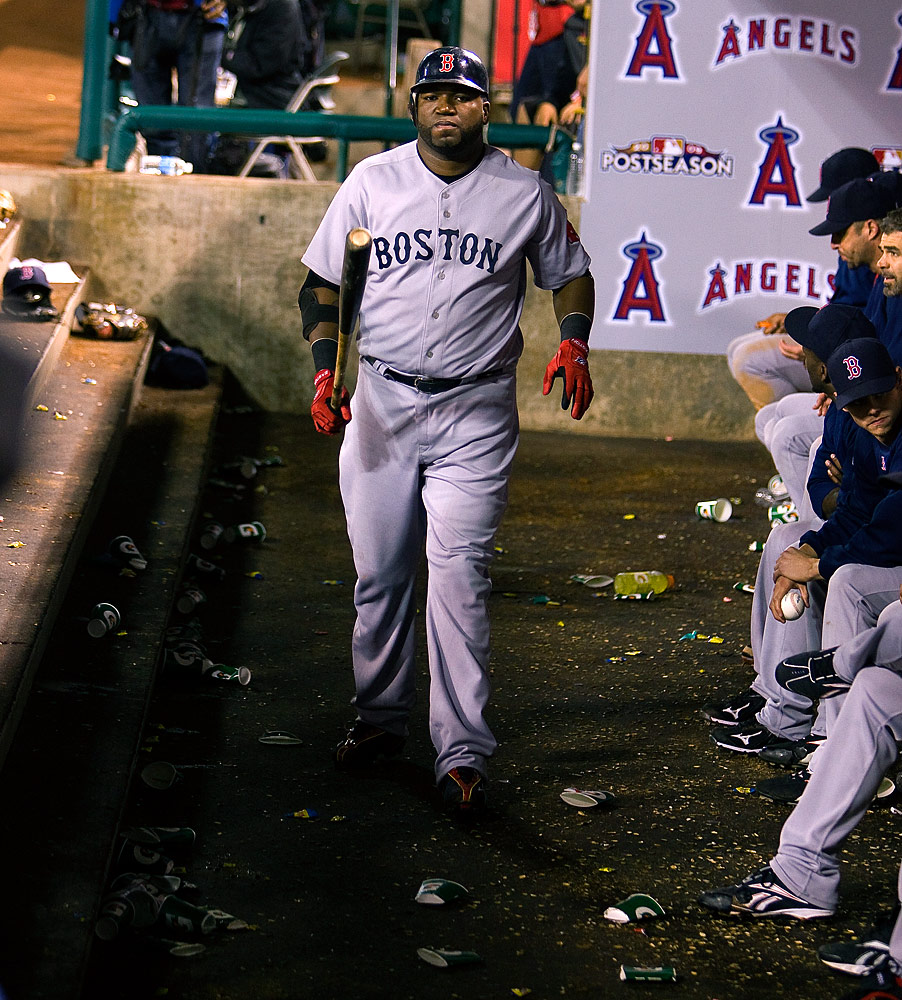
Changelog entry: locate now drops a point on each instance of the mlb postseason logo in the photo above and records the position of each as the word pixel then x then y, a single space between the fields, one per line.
pixel 667 155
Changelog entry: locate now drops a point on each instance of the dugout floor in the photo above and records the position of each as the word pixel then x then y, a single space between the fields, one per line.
pixel 589 692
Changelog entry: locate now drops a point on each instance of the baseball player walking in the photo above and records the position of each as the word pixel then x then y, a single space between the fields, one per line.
pixel 428 453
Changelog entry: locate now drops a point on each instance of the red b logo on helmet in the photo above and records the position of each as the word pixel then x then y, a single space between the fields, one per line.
pixel 447 64
pixel 852 366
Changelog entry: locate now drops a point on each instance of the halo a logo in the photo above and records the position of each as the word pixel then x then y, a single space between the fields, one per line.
pixel 777 162
pixel 654 47
pixel 641 288
pixel 667 155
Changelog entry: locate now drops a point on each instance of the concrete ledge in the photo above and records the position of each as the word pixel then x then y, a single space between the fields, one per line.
pixel 81 732
pixel 69 451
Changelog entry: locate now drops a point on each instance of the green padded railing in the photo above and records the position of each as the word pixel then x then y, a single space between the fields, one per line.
pixel 264 122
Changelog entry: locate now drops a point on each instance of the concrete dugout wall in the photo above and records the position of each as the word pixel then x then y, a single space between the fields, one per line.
pixel 218 260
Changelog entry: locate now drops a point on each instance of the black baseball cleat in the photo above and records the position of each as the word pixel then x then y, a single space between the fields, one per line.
pixel 364 744
pixel 795 754
pixel 866 955
pixel 811 675
pixel 787 788
pixel 883 984
pixel 463 792
pixel 735 710
pixel 762 894
pixel 750 737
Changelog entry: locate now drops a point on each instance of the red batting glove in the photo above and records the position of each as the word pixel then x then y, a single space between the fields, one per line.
pixel 571 363
pixel 325 419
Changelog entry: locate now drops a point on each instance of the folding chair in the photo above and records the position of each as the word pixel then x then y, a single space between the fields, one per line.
pixel 324 76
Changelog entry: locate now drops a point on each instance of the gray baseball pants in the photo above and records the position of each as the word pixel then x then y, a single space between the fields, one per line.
pixel 849 606
pixel 417 466
pixel 847 769
pixel 788 428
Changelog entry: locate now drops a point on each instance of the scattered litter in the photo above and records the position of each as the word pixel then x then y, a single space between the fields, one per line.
pixel 728 600
pixel 228 921
pixel 277 737
pixel 301 814
pixel 16 545
pixel 592 581
pixel 638 974
pixel 638 906
pixel 103 619
pixel 745 588
pixel 545 599
pixel 629 517
pixel 220 672
pixel 444 958
pixel 650 596
pixel 499 550
pixel 643 582
pixel 332 583
pixel 439 891
pixel 744 789
pixel 42 408
pixel 521 991
pixel 695 634
pixel 756 546
pixel 585 799
pixel 719 510
pixel 250 531
pixel 89 381
pixel 159 775
pixel 59 416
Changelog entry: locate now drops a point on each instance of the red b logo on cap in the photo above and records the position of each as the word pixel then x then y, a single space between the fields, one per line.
pixel 447 63
pixel 852 366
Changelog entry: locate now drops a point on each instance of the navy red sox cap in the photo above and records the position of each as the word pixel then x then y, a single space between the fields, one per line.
pixel 823 330
pixel 452 64
pixel 859 368
pixel 844 166
pixel 18 279
pixel 856 201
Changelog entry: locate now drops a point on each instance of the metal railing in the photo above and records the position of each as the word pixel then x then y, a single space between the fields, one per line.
pixel 265 122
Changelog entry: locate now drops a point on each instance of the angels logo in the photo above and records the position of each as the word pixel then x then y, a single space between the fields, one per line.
pixel 895 77
pixel 766 277
pixel 853 366
pixel 788 34
pixel 667 155
pixel 654 46
pixel 641 289
pixel 777 162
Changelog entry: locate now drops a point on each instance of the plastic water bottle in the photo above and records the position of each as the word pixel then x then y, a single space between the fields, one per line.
pixel 575 170
pixel 171 166
pixel 643 582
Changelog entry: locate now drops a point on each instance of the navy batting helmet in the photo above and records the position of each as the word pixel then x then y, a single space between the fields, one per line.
pixel 452 64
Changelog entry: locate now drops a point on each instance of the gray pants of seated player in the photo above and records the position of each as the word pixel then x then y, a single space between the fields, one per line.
pixel 415 466
pixel 758 366
pixel 772 641
pixel 849 766
pixel 850 605
pixel 787 428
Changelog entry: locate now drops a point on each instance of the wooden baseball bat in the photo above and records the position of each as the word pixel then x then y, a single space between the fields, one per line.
pixel 353 281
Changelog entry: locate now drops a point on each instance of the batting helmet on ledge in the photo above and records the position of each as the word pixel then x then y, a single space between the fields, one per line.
pixel 452 64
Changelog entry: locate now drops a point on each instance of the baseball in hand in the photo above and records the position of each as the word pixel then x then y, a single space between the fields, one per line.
pixel 792 606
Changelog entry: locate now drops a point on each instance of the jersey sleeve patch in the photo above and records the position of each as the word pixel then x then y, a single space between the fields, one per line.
pixel 572 234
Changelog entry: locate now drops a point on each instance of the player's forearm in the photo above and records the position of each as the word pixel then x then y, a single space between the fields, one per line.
pixel 577 296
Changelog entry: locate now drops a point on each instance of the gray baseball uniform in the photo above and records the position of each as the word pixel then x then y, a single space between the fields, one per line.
pixel 846 770
pixel 856 596
pixel 445 290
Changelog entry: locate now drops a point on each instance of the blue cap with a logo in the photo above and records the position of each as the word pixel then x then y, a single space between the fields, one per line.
pixel 860 367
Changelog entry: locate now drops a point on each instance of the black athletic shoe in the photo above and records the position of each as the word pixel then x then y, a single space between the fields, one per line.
pixel 762 894
pixel 787 788
pixel 883 984
pixel 750 737
pixel 364 744
pixel 463 791
pixel 865 956
pixel 798 753
pixel 736 710
pixel 811 675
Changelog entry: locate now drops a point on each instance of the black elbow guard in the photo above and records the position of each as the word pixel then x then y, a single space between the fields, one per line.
pixel 312 310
